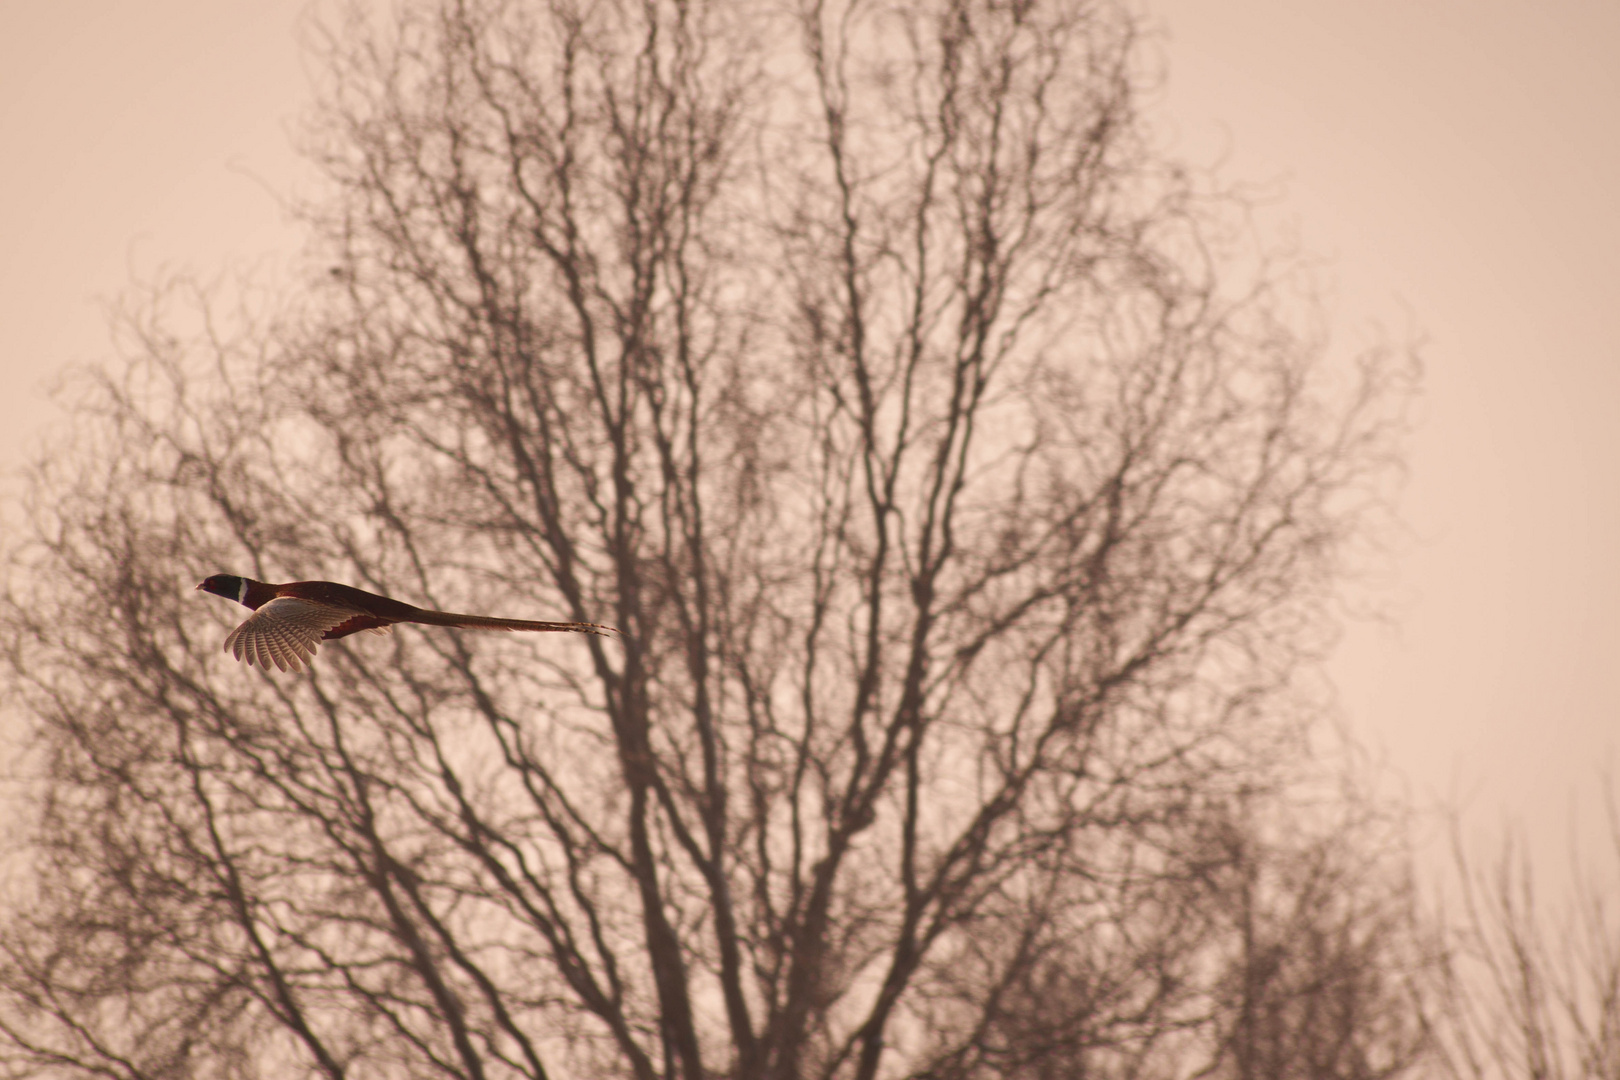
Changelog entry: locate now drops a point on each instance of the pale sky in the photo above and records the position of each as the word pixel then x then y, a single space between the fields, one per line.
pixel 1460 162
pixel 1457 160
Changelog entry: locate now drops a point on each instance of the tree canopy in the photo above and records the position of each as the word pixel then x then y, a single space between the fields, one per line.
pixel 967 492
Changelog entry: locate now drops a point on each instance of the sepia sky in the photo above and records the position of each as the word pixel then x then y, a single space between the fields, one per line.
pixel 1457 161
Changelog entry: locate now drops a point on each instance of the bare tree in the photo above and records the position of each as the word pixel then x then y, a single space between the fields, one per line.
pixel 1533 992
pixel 964 497
pixel 1331 969
pixel 1278 951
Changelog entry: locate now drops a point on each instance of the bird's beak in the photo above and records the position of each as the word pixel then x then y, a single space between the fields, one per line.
pixel 199 585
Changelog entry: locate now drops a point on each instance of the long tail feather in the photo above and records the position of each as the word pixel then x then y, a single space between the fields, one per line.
pixel 484 622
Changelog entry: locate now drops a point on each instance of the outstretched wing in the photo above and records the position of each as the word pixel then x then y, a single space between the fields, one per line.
pixel 284 632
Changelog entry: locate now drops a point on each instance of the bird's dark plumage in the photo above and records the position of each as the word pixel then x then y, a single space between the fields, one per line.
pixel 289 620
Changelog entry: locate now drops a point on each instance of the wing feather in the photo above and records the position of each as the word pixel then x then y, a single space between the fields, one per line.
pixel 284 632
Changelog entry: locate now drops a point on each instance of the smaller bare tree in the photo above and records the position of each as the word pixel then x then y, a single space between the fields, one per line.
pixel 1533 992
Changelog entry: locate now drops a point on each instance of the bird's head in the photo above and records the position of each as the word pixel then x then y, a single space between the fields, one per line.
pixel 229 586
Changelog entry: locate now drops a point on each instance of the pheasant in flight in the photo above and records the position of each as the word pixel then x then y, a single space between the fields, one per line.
pixel 290 620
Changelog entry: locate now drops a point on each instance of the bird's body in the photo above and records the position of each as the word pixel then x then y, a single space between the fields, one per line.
pixel 289 620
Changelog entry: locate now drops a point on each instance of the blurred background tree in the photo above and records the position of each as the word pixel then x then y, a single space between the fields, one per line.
pixel 968 488
pixel 1532 987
